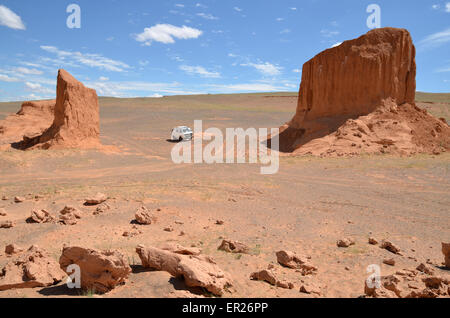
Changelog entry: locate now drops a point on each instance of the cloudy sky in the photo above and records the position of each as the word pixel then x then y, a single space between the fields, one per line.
pixel 155 48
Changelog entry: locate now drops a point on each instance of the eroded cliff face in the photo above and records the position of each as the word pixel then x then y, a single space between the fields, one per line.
pixel 76 122
pixel 355 77
pixel 359 98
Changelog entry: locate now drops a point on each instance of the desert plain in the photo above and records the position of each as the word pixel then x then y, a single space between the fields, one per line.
pixel 309 205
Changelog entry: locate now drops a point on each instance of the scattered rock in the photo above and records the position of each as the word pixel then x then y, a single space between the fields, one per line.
pixel 408 284
pixel 6 224
pixel 101 271
pixel 389 261
pixel 41 216
pixel 347 242
pixel 3 212
pixel 5 198
pixel 19 199
pixel 234 247
pixel 391 247
pixel 69 215
pixel 33 268
pixel 294 261
pixel 101 209
pixel 144 217
pixel 179 249
pixel 268 275
pixel 373 241
pixel 425 269
pixel 310 288
pixel 220 222
pixel 97 199
pixel 12 249
pixel 197 270
pixel 446 252
pixel 169 229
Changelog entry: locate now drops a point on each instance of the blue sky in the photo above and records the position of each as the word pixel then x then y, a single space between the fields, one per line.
pixel 153 48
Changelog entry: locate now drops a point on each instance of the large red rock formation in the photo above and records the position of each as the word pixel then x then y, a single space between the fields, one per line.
pixel 372 76
pixel 76 122
pixel 353 78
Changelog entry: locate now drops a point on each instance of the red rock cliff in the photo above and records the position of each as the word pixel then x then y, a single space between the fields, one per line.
pixel 353 78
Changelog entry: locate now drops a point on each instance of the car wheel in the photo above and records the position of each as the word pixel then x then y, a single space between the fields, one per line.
pixel 180 139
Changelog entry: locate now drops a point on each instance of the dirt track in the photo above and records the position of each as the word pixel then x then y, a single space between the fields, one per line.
pixel 306 207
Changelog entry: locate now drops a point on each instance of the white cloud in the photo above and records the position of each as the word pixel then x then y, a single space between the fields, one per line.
pixel 6 78
pixel 123 89
pixel 265 68
pixel 280 19
pixel 179 5
pixel 165 33
pixel 104 78
pixel 207 16
pixel 38 88
pixel 28 71
pixel 336 44
pixel 199 70
pixel 447 7
pixel 87 59
pixel 435 6
pixel 436 39
pixel 296 70
pixel 10 19
pixel 285 31
pixel 237 9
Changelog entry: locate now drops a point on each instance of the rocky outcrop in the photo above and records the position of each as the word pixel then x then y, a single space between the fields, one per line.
pixel 96 199
pixel 6 224
pixel 408 284
pixel 101 271
pixel 359 98
pixel 33 268
pixel 12 249
pixel 33 118
pixel 391 247
pixel 144 217
pixel 40 216
pixel 346 242
pixel 234 247
pixel 69 215
pixel 269 276
pixel 295 261
pixel 76 122
pixel 197 270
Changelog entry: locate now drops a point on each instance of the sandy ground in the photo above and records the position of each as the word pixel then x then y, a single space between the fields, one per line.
pixel 306 207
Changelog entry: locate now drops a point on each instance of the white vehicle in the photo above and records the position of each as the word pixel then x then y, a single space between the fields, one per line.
pixel 181 133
